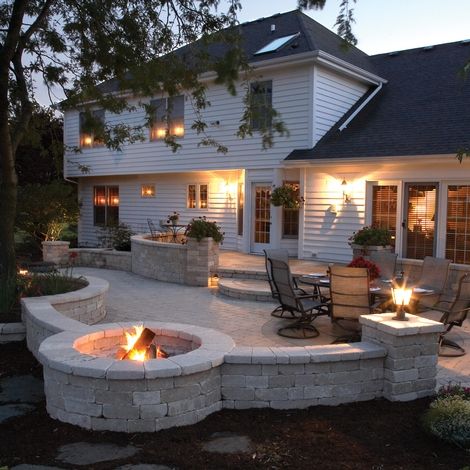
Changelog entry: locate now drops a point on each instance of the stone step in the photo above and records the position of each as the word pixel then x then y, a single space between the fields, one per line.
pixel 245 289
pixel 242 273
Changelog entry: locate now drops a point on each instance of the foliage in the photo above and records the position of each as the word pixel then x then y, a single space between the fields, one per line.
pixel 173 218
pixel 116 236
pixel 360 262
pixel 448 416
pixel 287 196
pixel 371 236
pixel 35 285
pixel 201 228
pixel 44 211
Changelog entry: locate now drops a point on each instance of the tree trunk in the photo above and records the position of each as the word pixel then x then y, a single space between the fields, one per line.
pixel 8 193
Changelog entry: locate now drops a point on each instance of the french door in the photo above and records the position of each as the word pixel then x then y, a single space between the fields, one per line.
pixel 261 217
pixel 420 220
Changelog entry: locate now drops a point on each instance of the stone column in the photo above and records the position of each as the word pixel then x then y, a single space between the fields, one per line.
pixel 412 352
pixel 202 260
pixel 56 252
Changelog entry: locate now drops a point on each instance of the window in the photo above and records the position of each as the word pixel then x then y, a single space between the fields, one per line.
pixel 92 129
pixel 241 202
pixel 168 118
pixel 198 196
pixel 384 208
pixel 147 190
pixel 277 44
pixel 290 217
pixel 458 224
pixel 261 105
pixel 106 205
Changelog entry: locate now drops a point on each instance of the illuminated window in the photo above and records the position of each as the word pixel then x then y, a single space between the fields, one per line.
pixel 241 203
pixel 198 196
pixel 168 118
pixel 384 208
pixel 458 224
pixel 106 205
pixel 92 129
pixel 261 95
pixel 147 190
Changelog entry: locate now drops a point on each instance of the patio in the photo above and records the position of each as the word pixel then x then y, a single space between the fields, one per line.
pixel 249 323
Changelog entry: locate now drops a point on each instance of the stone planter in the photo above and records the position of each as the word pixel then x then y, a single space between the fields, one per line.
pixel 366 250
pixel 56 252
pixel 202 260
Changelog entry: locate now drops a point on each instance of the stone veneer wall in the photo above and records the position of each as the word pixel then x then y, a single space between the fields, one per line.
pixel 189 264
pixel 73 311
pixel 56 252
pixel 12 332
pixel 102 258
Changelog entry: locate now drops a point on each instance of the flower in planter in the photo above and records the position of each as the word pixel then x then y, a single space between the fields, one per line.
pixel 360 262
pixel 173 218
pixel 368 236
pixel 201 228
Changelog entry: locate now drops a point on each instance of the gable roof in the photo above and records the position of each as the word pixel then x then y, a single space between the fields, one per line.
pixel 424 109
pixel 256 34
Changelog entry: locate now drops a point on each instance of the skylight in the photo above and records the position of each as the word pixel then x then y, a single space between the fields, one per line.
pixel 277 44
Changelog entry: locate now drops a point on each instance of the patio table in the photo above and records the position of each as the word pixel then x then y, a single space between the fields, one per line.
pixel 174 229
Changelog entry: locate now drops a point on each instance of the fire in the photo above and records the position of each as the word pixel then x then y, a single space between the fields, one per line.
pixel 141 350
pixel 135 354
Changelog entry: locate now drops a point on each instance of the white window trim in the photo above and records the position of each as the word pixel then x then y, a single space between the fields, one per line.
pixel 198 196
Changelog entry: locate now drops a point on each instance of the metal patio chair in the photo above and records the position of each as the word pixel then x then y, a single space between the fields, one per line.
pixel 291 301
pixel 433 276
pixel 349 299
pixel 153 230
pixel 454 314
pixel 386 263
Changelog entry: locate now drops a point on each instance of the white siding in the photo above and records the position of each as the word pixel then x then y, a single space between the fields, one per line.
pixel 326 233
pixel 291 97
pixel 333 96
pixel 170 196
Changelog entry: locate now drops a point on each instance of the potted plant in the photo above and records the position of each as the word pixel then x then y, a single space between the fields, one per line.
pixel 287 196
pixel 173 218
pixel 369 239
pixel 201 228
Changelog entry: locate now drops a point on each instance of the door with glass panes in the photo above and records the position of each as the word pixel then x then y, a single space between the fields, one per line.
pixel 261 217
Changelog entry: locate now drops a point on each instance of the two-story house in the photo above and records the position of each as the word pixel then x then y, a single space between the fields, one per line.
pixel 372 139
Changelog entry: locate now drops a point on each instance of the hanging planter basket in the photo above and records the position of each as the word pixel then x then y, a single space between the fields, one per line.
pixel 287 196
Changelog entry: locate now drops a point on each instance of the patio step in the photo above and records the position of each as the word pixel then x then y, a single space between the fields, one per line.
pixel 242 273
pixel 245 289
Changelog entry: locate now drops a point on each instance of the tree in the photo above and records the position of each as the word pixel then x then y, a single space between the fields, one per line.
pixel 78 44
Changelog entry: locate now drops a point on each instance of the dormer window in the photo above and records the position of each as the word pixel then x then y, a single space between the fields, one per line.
pixel 92 129
pixel 168 118
pixel 277 44
pixel 261 98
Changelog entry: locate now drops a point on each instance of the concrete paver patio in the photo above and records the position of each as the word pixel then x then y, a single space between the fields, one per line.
pixel 249 323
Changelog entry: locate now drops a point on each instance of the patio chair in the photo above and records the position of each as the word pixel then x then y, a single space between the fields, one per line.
pixel 349 299
pixel 281 255
pixel 433 276
pixel 291 301
pixel 386 263
pixel 153 230
pixel 454 314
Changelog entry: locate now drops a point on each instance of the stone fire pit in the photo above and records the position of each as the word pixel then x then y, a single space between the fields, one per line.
pixel 87 386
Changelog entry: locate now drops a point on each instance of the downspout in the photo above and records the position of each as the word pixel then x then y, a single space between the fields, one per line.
pixel 355 113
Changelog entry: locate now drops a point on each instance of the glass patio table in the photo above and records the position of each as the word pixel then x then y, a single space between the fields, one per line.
pixel 174 229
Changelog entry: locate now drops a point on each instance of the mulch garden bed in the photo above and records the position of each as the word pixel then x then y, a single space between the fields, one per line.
pixel 372 435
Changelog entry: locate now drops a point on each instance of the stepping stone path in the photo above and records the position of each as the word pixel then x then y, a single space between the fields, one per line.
pixel 12 410
pixel 228 443
pixel 84 453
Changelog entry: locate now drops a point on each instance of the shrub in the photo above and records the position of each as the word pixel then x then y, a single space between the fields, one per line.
pixel 448 417
pixel 360 262
pixel 201 228
pixel 35 285
pixel 117 237
pixel 371 236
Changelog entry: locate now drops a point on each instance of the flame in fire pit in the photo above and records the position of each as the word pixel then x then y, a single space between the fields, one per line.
pixel 135 354
pixel 140 346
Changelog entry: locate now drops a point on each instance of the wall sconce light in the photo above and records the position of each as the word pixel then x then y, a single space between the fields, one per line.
pixel 346 193
pixel 147 190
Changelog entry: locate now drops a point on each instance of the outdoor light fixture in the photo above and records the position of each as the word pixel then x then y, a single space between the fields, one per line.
pixel 346 194
pixel 147 190
pixel 401 298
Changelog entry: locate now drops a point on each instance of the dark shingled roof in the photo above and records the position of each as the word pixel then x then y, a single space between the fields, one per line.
pixel 257 34
pixel 424 109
